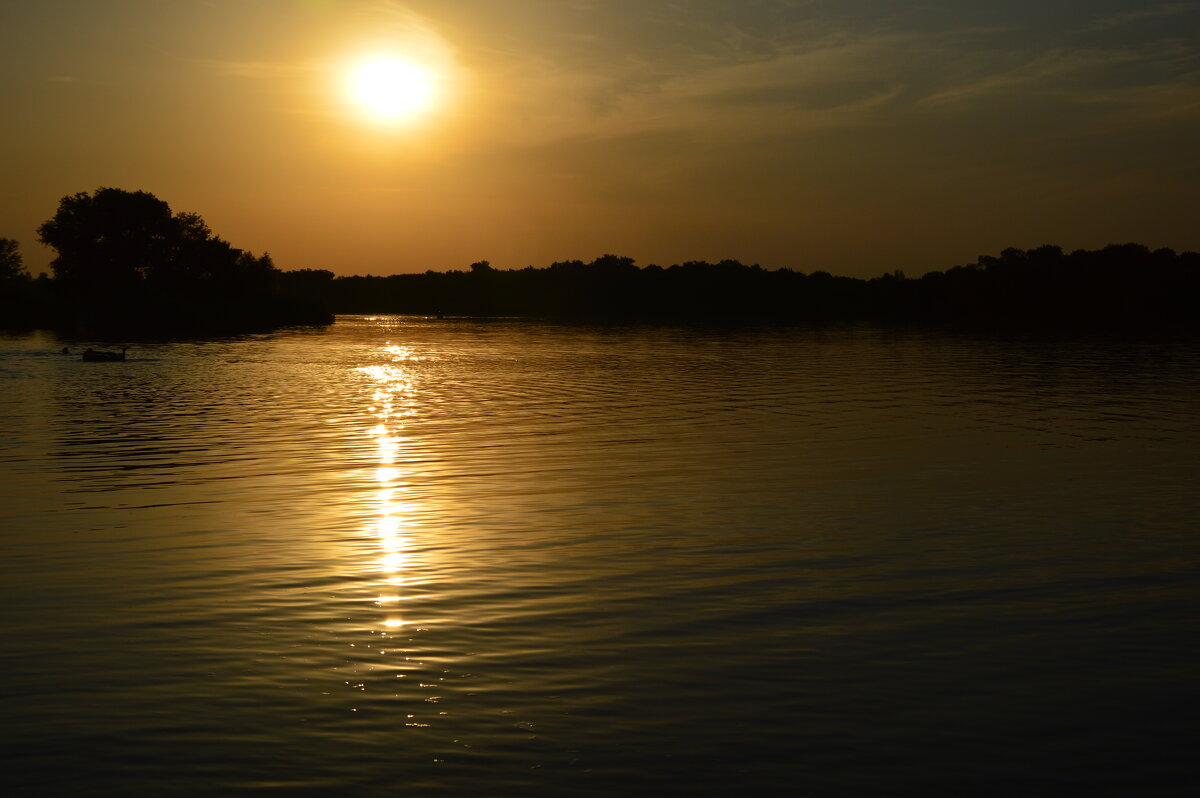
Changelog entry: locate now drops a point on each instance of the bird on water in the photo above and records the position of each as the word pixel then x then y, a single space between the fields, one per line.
pixel 103 355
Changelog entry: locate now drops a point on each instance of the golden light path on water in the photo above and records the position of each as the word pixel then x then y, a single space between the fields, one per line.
pixel 393 399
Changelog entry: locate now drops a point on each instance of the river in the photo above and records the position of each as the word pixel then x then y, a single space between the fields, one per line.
pixel 447 557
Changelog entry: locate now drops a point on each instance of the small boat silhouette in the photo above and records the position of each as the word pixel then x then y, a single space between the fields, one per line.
pixel 103 355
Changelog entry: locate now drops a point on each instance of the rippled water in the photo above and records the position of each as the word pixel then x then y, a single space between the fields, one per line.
pixel 405 556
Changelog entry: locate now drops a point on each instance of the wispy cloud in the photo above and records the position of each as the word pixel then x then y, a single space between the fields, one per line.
pixel 996 73
pixel 763 88
pixel 1123 18
pixel 1136 82
pixel 1152 104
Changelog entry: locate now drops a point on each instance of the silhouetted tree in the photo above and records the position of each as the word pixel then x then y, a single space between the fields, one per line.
pixel 308 290
pixel 124 257
pixel 12 266
pixel 22 298
pixel 108 241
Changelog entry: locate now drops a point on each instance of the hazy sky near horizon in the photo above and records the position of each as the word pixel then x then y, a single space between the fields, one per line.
pixel 855 136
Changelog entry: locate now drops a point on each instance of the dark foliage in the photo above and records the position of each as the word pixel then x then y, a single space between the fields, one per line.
pixel 1118 286
pixel 126 263
pixel 23 299
pixel 12 266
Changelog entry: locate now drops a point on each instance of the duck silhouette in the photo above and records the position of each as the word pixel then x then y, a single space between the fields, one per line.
pixel 98 355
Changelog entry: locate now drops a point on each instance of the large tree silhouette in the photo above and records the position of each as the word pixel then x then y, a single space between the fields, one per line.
pixel 123 256
pixel 111 240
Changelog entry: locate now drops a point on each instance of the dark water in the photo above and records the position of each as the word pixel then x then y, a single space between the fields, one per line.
pixel 437 558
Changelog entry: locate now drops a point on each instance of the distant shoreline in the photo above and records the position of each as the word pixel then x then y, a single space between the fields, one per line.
pixel 1120 287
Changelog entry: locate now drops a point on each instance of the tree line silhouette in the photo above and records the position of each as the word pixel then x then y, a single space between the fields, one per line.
pixel 124 260
pixel 1118 286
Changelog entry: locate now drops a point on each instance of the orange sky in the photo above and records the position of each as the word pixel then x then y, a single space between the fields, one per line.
pixel 856 136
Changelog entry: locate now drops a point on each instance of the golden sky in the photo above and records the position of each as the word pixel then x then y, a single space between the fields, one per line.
pixel 855 136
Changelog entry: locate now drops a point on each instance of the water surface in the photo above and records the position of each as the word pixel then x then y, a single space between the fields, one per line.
pixel 406 556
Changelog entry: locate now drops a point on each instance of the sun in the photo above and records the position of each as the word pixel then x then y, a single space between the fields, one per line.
pixel 389 89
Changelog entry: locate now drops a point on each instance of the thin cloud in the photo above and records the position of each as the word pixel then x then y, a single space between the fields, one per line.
pixel 741 93
pixel 1123 18
pixel 1179 100
pixel 1038 70
pixel 1073 73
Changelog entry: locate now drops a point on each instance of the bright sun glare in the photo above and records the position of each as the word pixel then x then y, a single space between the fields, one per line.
pixel 390 89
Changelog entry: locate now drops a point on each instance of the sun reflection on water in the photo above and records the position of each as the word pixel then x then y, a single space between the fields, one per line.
pixel 391 401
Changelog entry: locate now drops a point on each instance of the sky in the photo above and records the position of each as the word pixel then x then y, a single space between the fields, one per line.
pixel 852 136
